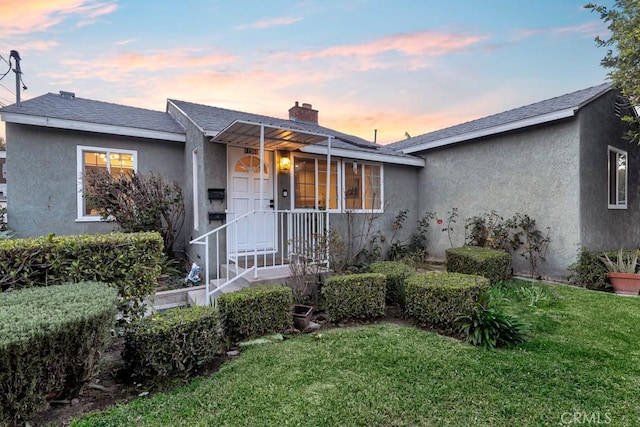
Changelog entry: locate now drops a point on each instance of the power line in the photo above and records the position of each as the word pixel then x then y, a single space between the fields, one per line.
pixel 3 99
pixel 9 90
pixel 9 69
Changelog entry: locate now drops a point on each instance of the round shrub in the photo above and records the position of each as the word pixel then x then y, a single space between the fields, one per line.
pixel 438 299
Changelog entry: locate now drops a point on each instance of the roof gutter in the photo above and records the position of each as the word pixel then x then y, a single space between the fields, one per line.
pixel 91 127
pixel 360 155
pixel 532 121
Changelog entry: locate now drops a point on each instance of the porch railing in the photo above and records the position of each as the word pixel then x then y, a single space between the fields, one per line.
pixel 260 240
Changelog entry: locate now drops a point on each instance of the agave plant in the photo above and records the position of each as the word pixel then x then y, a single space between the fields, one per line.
pixel 625 263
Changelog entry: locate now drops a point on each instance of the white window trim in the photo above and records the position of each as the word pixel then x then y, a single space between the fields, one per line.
pixel 80 149
pixel 362 190
pixel 626 179
pixel 316 158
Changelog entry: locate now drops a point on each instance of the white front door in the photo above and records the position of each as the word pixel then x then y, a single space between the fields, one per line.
pixel 256 232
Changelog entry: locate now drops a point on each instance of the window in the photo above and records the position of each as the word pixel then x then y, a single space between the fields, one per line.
pixel 617 179
pixel 362 186
pixel 310 183
pixel 97 158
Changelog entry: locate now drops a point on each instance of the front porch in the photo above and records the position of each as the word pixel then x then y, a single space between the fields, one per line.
pixel 258 241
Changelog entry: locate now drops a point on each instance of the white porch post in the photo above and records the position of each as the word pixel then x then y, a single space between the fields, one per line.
pixel 255 253
pixel 328 196
pixel 261 166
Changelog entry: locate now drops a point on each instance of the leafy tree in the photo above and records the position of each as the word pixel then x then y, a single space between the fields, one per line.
pixel 623 52
pixel 137 202
pixel 3 144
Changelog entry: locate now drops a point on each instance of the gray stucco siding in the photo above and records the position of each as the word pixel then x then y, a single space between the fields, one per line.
pixel 603 228
pixel 400 192
pixel 533 171
pixel 42 196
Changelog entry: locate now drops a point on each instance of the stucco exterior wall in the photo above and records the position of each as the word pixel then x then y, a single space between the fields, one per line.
pixel 602 228
pixel 532 171
pixel 42 197
pixel 400 192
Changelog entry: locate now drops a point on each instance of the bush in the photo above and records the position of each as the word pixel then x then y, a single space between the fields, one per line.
pixel 173 342
pixel 491 327
pixel 354 296
pixel 438 299
pixel 129 262
pixel 256 311
pixel 395 274
pixel 493 264
pixel 589 271
pixel 50 342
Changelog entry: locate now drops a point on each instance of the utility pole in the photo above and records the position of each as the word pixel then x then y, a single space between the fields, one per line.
pixel 15 55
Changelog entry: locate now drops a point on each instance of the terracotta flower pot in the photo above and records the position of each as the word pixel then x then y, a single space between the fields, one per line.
pixel 625 283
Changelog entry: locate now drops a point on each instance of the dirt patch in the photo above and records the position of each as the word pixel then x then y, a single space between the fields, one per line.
pixel 109 386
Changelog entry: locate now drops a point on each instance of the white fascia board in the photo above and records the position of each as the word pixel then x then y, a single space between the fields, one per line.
pixel 532 121
pixel 91 127
pixel 360 155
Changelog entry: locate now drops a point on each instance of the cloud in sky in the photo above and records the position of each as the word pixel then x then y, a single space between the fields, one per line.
pixel 587 29
pixel 270 22
pixel 421 43
pixel 23 17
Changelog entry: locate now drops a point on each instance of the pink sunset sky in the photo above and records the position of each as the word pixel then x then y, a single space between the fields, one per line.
pixel 396 66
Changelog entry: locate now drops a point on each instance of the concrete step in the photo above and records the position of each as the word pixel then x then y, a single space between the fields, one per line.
pixel 173 298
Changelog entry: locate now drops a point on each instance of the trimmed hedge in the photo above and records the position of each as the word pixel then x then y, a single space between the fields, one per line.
pixel 354 296
pixel 438 299
pixel 396 274
pixel 128 261
pixel 50 342
pixel 493 264
pixel 173 342
pixel 253 312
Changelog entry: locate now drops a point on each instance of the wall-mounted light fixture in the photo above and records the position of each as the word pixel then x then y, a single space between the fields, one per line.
pixel 285 164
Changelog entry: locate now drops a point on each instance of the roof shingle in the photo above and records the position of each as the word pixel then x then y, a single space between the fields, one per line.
pixel 573 100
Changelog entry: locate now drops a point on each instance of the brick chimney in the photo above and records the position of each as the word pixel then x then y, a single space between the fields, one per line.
pixel 303 114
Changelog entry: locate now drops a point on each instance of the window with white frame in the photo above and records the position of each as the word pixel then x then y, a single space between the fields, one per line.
pixel 617 178
pixel 362 186
pixel 115 161
pixel 310 183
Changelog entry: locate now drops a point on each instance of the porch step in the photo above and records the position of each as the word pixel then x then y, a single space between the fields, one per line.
pixel 165 300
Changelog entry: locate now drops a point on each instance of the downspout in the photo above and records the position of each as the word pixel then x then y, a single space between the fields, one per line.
pixel 328 195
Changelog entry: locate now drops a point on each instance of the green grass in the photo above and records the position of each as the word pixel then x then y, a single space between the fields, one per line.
pixel 583 359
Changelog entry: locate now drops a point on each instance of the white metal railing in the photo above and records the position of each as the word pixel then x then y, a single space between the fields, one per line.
pixel 260 240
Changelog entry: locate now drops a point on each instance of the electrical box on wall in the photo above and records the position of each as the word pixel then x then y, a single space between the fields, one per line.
pixel 217 216
pixel 216 193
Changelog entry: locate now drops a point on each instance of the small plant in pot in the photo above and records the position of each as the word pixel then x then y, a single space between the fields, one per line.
pixel 302 285
pixel 622 273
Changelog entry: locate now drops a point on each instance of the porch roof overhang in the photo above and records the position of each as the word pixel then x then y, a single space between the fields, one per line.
pixel 247 134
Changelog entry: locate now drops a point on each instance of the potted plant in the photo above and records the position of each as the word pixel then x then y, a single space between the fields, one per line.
pixel 622 273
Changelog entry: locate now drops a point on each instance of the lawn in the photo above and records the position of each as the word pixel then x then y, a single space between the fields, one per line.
pixel 580 366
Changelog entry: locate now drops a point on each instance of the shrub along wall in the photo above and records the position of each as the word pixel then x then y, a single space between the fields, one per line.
pixel 354 296
pixel 256 311
pixel 437 299
pixel 173 342
pixel 493 264
pixel 50 342
pixel 128 261
pixel 396 274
